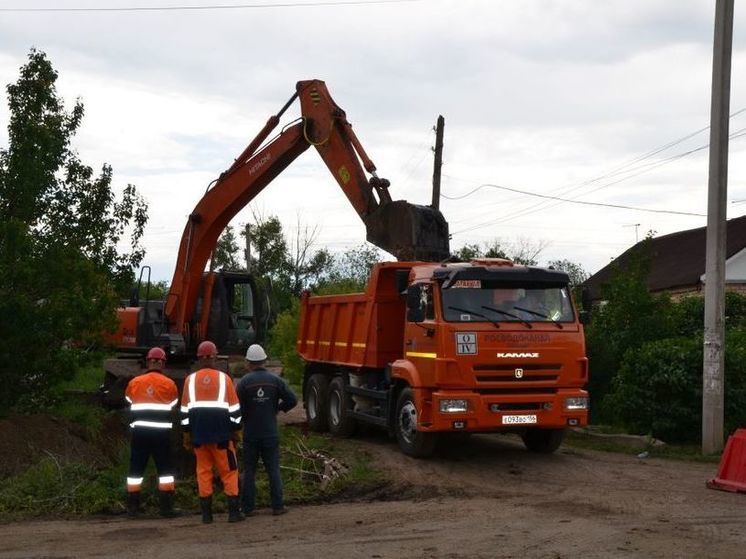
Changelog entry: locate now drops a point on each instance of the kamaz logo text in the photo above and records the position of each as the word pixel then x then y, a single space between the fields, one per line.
pixel 517 355
pixel 259 164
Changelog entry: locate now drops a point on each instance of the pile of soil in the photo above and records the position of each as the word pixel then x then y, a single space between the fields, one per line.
pixel 27 439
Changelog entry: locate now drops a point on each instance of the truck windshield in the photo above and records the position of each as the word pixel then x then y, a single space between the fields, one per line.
pixel 551 304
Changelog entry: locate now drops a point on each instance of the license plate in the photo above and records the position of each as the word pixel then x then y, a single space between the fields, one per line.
pixel 518 419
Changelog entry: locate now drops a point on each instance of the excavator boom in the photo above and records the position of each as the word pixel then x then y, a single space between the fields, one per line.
pixel 407 231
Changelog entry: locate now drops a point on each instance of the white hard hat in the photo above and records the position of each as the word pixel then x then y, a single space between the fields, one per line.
pixel 255 353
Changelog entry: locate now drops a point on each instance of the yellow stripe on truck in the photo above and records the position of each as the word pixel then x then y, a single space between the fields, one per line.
pixel 423 355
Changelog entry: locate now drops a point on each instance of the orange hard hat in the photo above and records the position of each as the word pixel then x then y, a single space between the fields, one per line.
pixel 156 353
pixel 207 349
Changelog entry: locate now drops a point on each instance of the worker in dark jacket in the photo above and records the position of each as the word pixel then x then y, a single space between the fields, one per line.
pixel 211 420
pixel 262 394
pixel 152 397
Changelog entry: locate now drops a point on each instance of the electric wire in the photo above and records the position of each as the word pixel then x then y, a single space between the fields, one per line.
pixel 623 168
pixel 214 7
pixel 631 173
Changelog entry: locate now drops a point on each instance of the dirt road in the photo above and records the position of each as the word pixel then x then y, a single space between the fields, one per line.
pixel 486 498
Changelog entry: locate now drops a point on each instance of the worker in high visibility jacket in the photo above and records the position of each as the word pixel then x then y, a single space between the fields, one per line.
pixel 211 423
pixel 152 397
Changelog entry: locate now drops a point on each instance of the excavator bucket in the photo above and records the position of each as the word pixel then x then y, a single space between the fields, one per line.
pixel 409 231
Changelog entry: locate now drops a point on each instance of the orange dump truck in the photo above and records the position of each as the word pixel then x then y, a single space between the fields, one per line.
pixel 480 346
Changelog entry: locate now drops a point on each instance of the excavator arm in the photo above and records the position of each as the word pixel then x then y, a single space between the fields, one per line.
pixel 407 231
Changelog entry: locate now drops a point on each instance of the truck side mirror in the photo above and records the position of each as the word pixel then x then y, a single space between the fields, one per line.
pixel 415 310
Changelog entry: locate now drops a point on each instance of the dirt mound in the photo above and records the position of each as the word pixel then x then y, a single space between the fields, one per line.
pixel 25 440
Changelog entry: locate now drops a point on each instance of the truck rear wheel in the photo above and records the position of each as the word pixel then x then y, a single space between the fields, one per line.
pixel 411 441
pixel 544 441
pixel 316 402
pixel 339 403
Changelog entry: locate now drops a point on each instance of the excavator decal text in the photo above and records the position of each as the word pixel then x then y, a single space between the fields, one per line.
pixel 259 164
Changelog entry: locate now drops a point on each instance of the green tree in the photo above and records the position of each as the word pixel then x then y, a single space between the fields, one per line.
pixel 630 317
pixel 61 226
pixel 521 251
pixel 576 272
pixel 225 255
pixel 349 270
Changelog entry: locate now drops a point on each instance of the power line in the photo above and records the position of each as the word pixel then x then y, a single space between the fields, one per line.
pixel 641 169
pixel 557 198
pixel 215 7
pixel 629 168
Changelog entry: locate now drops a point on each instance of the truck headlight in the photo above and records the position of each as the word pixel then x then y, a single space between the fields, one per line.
pixel 454 406
pixel 576 403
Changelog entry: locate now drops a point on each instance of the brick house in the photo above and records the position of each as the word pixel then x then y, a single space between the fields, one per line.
pixel 677 263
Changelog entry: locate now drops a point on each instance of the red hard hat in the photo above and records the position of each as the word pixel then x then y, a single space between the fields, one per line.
pixel 156 353
pixel 207 349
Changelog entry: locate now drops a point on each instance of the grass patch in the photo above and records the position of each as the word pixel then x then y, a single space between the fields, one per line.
pixel 586 441
pixel 52 488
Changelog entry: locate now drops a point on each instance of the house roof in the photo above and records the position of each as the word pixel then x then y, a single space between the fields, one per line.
pixel 676 259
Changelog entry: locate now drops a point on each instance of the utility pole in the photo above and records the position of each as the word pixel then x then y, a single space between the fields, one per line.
pixel 438 161
pixel 247 252
pixel 713 386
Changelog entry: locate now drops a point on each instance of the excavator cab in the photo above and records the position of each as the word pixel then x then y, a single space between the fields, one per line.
pixel 238 312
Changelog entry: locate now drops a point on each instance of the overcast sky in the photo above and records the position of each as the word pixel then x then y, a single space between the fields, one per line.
pixel 540 96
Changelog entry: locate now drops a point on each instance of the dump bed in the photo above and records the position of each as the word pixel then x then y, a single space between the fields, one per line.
pixel 357 329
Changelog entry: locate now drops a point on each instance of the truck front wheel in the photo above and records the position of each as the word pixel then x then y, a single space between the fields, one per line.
pixel 544 441
pixel 316 402
pixel 341 423
pixel 411 441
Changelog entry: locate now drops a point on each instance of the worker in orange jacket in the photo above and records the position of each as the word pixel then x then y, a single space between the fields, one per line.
pixel 152 397
pixel 211 420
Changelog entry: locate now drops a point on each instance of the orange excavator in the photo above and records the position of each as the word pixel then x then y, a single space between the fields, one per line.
pixel 229 307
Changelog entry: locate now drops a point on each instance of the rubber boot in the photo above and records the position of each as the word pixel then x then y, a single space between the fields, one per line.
pixel 234 510
pixel 166 503
pixel 205 505
pixel 133 504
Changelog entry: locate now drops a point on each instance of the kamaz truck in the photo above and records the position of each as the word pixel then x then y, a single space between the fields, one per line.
pixel 431 348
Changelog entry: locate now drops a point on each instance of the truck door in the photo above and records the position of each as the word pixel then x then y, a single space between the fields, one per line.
pixel 420 344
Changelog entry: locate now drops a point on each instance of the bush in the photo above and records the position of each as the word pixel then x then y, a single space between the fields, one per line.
pixel 658 390
pixel 282 343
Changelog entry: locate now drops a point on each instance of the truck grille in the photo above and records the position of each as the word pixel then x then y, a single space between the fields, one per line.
pixel 548 372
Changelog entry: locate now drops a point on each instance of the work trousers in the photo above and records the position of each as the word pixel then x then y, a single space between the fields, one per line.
pixel 147 442
pixel 268 449
pixel 222 457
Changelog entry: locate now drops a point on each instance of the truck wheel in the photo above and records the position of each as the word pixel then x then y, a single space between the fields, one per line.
pixel 339 404
pixel 316 404
pixel 544 441
pixel 411 441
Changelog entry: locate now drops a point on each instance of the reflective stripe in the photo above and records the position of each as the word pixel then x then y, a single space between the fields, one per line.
pixel 184 409
pixel 207 404
pixel 234 407
pixel 166 479
pixel 134 480
pixel 172 404
pixel 420 354
pixel 158 407
pixel 128 399
pixel 221 390
pixel 185 421
pixel 151 424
